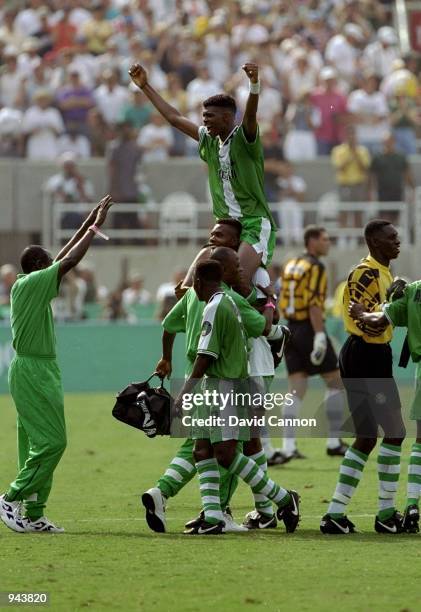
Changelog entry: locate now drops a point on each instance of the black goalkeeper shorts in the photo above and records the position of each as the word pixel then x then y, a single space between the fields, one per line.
pixel 373 396
pixel 299 348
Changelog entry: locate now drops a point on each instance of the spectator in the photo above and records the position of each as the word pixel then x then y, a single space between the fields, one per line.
pixel 137 111
pixel 69 186
pixel 331 111
pixel 165 295
pixel 136 293
pixel 68 306
pixel 42 123
pixel 291 216
pixel 218 49
pixel 370 113
pixel 124 156
pixel 404 119
pixel 111 97
pixel 201 87
pixel 74 142
pixel 342 51
pixel 99 133
pixel 301 77
pixel 63 32
pixel 390 173
pixel 351 162
pixel 74 101
pixel 156 139
pixel 8 275
pixel 10 79
pixel 86 272
pixel 40 78
pixel 379 56
pixel 301 121
pixel 8 32
pixel 27 22
pixel 273 156
pixel 10 132
pixel 97 30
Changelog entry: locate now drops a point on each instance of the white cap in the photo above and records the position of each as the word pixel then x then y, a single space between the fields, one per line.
pixel 10 51
pixel 354 30
pixel 67 157
pixel 387 35
pixel 327 72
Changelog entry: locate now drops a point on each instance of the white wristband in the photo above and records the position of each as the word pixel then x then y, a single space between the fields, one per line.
pixel 254 88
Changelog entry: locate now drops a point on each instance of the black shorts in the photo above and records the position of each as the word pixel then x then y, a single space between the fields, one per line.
pixel 373 396
pixel 299 348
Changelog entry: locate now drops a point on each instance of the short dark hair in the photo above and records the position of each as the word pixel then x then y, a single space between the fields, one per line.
pixel 209 271
pixel 373 227
pixel 312 231
pixel 30 256
pixel 221 101
pixel 221 254
pixel 234 223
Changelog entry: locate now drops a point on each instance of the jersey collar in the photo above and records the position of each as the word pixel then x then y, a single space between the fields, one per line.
pixel 377 264
pixel 214 295
pixel 222 144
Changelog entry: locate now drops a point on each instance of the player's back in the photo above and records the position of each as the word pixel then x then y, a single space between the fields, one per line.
pixel 303 284
pixel 31 314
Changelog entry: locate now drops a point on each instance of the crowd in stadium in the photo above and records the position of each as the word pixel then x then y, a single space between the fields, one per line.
pixel 64 83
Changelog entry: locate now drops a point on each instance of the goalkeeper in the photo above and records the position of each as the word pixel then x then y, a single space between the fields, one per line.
pixel 35 379
pixel 404 310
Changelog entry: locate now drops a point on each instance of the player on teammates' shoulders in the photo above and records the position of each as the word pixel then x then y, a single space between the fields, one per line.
pixel 234 155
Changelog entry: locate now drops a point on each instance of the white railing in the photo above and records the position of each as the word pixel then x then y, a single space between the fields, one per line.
pixel 157 233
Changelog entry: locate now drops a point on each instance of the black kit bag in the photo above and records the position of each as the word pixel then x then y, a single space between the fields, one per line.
pixel 144 407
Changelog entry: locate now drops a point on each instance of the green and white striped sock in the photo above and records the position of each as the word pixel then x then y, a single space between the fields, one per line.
pixel 248 470
pixel 261 502
pixel 350 474
pixel 414 475
pixel 180 471
pixel 209 489
pixel 388 469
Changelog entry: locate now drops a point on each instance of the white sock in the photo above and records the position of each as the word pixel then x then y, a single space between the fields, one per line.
pixel 290 412
pixel 332 442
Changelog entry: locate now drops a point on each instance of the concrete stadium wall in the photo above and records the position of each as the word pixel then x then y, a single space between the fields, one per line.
pixel 21 215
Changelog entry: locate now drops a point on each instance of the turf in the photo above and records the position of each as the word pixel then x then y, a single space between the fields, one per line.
pixel 108 559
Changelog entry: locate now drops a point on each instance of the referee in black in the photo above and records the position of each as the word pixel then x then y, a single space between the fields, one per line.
pixel 366 370
pixel 309 351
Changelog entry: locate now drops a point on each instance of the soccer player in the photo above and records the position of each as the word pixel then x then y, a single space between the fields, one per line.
pixel 366 369
pixel 404 311
pixel 234 156
pixel 186 317
pixel 222 358
pixel 310 351
pixel 35 379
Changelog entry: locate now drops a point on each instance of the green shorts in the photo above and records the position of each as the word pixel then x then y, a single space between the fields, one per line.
pixel 259 233
pixel 216 423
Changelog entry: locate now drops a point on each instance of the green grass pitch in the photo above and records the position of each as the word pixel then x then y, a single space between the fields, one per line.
pixel 109 560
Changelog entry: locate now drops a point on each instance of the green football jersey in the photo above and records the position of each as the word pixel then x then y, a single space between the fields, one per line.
pixel 406 312
pixel 236 175
pixel 31 315
pixel 186 317
pixel 223 338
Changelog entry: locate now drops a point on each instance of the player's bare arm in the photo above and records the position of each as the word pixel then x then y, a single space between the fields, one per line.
pixel 79 234
pixel 164 365
pixel 78 250
pixel 249 122
pixel 139 77
pixel 200 368
pixel 374 319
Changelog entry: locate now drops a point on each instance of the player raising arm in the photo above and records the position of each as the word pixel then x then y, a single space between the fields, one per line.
pixel 35 379
pixel 234 156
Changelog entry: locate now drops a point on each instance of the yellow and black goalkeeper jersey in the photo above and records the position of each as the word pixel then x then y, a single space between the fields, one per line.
pixel 367 284
pixel 303 284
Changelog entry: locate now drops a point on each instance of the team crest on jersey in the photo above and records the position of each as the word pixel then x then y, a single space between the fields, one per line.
pixel 226 170
pixel 206 328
